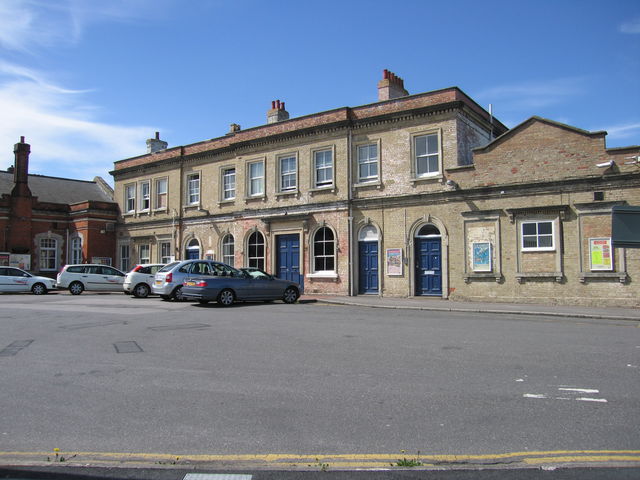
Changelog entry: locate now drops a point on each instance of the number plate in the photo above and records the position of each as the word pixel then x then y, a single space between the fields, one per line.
pixel 158 282
pixel 189 284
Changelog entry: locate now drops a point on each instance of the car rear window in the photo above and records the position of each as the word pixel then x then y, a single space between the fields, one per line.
pixel 168 267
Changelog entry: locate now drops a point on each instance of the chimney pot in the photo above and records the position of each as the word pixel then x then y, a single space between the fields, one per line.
pixel 391 86
pixel 157 135
pixel 22 139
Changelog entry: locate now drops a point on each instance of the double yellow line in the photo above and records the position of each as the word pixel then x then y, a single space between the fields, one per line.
pixel 338 461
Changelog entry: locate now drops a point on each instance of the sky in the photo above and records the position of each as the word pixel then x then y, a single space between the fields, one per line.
pixel 87 82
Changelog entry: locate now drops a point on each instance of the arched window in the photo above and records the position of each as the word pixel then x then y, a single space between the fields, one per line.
pixel 368 234
pixel 193 250
pixel 428 230
pixel 324 251
pixel 76 250
pixel 48 254
pixel 256 251
pixel 228 255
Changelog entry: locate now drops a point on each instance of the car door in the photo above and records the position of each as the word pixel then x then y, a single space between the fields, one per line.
pixel 7 283
pixel 112 279
pixel 18 279
pixel 92 277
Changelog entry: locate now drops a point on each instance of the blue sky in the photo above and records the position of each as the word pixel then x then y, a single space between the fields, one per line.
pixel 88 81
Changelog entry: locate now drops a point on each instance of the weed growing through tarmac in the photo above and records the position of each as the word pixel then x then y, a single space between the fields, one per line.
pixel 172 462
pixel 58 457
pixel 323 466
pixel 408 462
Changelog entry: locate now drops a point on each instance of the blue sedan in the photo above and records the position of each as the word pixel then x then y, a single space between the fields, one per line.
pixel 246 284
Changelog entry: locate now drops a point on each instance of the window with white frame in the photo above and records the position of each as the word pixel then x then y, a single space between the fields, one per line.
pixel 537 235
pixel 161 193
pixel 130 198
pixel 288 173
pixel 124 257
pixel 256 178
pixel 193 189
pixel 427 155
pixel 256 251
pixel 145 253
pixel 165 252
pixel 228 246
pixel 367 163
pixel 323 168
pixel 145 196
pixel 229 184
pixel 324 251
pixel 48 254
pixel 76 250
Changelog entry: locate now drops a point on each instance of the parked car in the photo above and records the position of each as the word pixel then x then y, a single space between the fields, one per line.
pixel 78 278
pixel 16 280
pixel 244 285
pixel 139 280
pixel 169 279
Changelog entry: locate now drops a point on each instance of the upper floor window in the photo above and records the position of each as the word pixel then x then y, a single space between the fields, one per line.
pixel 193 188
pixel 427 155
pixel 161 193
pixel 145 196
pixel 537 235
pixel 76 250
pixel 323 168
pixel 367 162
pixel 229 184
pixel 324 251
pixel 228 254
pixel 256 250
pixel 130 198
pixel 256 178
pixel 48 254
pixel 288 173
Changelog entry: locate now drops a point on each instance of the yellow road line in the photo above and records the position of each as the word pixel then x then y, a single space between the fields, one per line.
pixel 341 460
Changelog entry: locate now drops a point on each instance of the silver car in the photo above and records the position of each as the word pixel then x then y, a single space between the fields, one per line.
pixel 169 279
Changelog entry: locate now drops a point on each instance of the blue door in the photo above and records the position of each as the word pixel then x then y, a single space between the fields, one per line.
pixel 429 266
pixel 368 261
pixel 288 258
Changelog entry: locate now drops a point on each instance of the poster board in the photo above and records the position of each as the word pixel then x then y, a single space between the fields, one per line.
pixel 601 254
pixel 394 262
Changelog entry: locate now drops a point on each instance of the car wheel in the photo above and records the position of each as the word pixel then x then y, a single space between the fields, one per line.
pixel 290 295
pixel 203 302
pixel 226 297
pixel 76 288
pixel 39 289
pixel 141 290
pixel 177 294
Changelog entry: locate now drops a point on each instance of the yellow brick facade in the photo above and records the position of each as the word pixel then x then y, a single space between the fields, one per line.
pixel 423 199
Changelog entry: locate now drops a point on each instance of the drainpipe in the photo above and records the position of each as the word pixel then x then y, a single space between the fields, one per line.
pixel 178 245
pixel 350 212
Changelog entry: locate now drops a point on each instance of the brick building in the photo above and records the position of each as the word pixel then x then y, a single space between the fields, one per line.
pixel 46 222
pixel 412 195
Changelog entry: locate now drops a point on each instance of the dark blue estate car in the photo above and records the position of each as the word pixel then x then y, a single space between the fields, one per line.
pixel 246 284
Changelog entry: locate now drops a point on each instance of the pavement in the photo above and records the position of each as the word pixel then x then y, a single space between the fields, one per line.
pixel 444 305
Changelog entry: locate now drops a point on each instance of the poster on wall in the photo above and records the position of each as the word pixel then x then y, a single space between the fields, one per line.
pixel 481 256
pixel 601 254
pixel 20 261
pixel 394 261
pixel 4 259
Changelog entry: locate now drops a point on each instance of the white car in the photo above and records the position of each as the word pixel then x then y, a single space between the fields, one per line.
pixel 78 278
pixel 138 282
pixel 15 280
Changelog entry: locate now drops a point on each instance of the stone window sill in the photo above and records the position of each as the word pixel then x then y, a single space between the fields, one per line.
pixel 469 277
pixel 620 276
pixel 556 276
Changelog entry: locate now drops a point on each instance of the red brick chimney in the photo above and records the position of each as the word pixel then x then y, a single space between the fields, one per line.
pixel 21 170
pixel 391 86
pixel 277 113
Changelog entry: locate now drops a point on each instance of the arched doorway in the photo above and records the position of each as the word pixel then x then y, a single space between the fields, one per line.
pixel 428 265
pixel 368 261
pixel 192 251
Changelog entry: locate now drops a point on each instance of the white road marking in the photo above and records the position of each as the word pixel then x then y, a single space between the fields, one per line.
pixel 583 399
pixel 580 390
pixel 534 395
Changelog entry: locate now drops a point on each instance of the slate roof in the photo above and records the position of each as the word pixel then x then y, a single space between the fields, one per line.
pixel 57 190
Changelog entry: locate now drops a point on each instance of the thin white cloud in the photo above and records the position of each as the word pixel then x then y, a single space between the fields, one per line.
pixel 624 131
pixel 632 26
pixel 67 137
pixel 530 96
